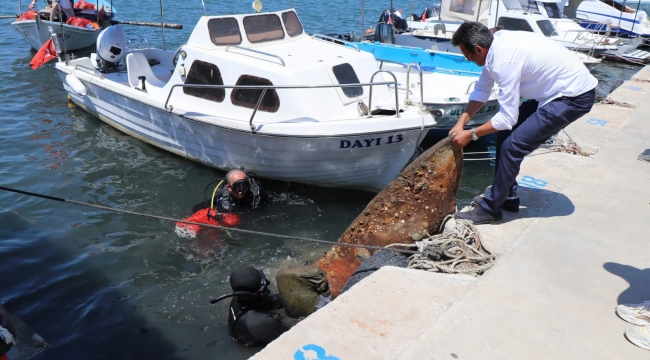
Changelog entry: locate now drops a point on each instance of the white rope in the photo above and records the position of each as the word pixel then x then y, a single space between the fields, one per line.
pixel 458 250
pixel 6 336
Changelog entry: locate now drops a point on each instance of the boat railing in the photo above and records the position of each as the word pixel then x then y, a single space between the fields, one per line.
pixel 89 70
pixel 335 41
pixel 256 51
pixel 371 85
pixel 439 69
pixel 408 72
pixel 264 88
pixel 131 47
pixel 470 86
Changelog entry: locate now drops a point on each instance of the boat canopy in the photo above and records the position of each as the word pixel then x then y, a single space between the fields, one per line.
pixel 246 30
pixel 463 10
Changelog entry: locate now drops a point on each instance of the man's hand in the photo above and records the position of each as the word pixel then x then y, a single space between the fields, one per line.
pixel 455 130
pixel 31 6
pixel 462 138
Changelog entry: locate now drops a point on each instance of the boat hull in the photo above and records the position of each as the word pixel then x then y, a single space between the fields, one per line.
pixel 37 32
pixel 358 161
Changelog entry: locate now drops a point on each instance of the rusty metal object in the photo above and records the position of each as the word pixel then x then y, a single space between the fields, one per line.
pixel 417 200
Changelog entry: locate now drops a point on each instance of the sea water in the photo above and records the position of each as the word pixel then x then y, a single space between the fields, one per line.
pixel 99 284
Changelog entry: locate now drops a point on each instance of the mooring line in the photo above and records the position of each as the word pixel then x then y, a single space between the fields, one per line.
pixel 159 217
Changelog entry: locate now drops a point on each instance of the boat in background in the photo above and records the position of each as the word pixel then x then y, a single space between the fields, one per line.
pixel 295 109
pixel 626 17
pixel 37 28
pixel 436 33
pixel 447 80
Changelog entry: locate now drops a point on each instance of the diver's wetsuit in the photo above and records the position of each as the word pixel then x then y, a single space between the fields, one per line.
pixel 252 321
pixel 252 200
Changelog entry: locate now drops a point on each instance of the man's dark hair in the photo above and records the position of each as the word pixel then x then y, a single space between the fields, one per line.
pixel 472 34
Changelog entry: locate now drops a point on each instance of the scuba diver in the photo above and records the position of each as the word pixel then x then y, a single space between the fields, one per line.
pixel 240 191
pixel 251 318
pixel 237 193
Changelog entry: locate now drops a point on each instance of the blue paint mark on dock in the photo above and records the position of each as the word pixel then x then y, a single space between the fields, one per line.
pixel 313 352
pixel 597 122
pixel 635 88
pixel 528 181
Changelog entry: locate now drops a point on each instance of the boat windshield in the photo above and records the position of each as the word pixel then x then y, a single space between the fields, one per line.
pixel 547 28
pixel 514 24
pixel 292 24
pixel 224 31
pixel 261 28
pixel 553 11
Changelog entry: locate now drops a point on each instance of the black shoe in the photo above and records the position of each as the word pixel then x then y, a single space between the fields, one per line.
pixel 478 215
pixel 510 205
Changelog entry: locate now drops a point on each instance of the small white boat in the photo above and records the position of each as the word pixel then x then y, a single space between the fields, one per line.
pixel 37 31
pixel 506 14
pixel 285 112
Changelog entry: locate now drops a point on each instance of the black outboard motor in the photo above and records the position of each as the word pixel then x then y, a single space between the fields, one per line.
pixel 251 317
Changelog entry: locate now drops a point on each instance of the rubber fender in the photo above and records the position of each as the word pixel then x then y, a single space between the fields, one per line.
pixel 378 260
pixel 75 84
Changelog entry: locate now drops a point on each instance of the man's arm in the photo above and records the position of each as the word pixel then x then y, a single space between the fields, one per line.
pixel 480 95
pixel 463 137
pixel 471 109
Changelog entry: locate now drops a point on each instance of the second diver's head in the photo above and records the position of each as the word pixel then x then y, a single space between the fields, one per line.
pixel 249 279
pixel 237 183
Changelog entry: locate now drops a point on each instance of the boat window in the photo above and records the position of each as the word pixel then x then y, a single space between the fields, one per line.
pixel 248 97
pixel 618 6
pixel 291 23
pixel 203 73
pixel 547 28
pixel 552 10
pixel 224 31
pixel 345 75
pixel 514 24
pixel 463 6
pixel 261 28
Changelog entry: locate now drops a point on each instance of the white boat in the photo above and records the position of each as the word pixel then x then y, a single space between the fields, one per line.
pixel 506 14
pixel 444 80
pixel 591 41
pixel 283 112
pixel 569 33
pixel 623 16
pixel 36 32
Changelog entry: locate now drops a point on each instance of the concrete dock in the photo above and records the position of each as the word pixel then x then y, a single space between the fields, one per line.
pixel 579 246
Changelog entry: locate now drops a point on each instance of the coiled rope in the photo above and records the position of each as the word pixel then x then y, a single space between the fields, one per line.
pixel 253 232
pixel 459 250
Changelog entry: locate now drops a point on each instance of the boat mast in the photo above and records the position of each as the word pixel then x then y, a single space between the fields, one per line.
pixel 363 26
pixel 162 24
pixel 392 22
pixel 635 15
pixel 620 16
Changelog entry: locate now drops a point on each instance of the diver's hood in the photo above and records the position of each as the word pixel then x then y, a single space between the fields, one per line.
pixel 246 281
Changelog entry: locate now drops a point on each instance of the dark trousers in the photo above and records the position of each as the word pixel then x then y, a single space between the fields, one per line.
pixel 534 126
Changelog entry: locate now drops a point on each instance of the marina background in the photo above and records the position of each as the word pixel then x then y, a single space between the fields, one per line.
pixel 97 284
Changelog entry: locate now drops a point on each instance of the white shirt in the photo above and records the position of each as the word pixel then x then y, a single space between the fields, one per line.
pixel 529 65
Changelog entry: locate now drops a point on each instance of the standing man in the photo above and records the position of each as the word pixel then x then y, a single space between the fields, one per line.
pixel 557 89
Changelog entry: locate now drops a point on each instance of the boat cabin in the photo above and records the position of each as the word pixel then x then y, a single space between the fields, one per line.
pixel 266 49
